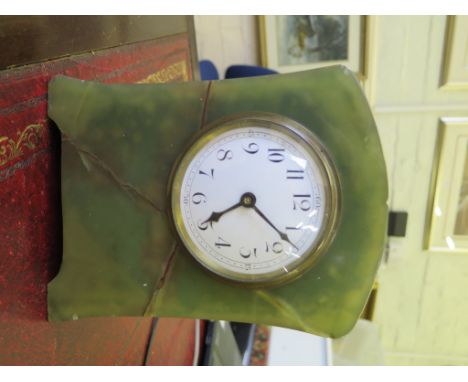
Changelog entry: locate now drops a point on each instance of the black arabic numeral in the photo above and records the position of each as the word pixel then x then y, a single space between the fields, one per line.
pixel 246 253
pixel 210 174
pixel 224 154
pixel 294 174
pixel 277 247
pixel 275 155
pixel 301 202
pixel 198 198
pixel 202 225
pixel 252 148
pixel 221 243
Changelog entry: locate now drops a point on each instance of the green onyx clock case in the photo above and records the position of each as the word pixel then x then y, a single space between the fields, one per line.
pixel 259 200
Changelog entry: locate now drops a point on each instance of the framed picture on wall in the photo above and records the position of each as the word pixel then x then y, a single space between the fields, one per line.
pixel 448 216
pixel 294 43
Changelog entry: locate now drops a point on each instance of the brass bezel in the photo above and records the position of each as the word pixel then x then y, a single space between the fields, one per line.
pixel 308 141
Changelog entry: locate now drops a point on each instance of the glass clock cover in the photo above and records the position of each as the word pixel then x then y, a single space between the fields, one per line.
pixel 254 199
pixel 123 150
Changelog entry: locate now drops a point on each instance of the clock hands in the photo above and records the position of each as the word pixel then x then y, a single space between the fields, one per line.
pixel 282 235
pixel 248 200
pixel 215 216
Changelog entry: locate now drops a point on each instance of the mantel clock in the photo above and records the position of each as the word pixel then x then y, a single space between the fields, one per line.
pixel 258 200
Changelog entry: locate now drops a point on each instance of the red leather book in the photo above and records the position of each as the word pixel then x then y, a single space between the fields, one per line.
pixel 30 212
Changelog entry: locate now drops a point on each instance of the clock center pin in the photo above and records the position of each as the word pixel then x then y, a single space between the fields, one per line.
pixel 248 200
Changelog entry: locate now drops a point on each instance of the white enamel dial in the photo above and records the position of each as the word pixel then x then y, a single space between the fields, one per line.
pixel 253 202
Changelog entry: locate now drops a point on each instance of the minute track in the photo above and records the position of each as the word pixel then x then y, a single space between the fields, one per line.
pixel 276 169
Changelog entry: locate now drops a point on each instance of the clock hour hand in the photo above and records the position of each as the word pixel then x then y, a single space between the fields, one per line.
pixel 282 235
pixel 247 200
pixel 215 216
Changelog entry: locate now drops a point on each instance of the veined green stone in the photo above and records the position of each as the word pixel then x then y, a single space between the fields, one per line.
pixel 121 256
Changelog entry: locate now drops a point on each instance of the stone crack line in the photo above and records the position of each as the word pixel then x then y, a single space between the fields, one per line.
pixel 171 257
pixel 130 189
pixel 162 279
pixel 205 103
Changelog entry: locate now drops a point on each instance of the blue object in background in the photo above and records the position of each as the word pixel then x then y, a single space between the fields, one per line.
pixel 239 71
pixel 208 70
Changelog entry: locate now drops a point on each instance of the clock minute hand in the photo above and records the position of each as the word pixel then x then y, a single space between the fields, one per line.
pixel 282 235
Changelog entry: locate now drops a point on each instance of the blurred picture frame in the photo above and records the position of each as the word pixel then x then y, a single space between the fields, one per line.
pixel 447 219
pixel 295 43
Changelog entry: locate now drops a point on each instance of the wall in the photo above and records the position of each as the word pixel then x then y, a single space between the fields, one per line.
pixel 227 40
pixel 422 305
